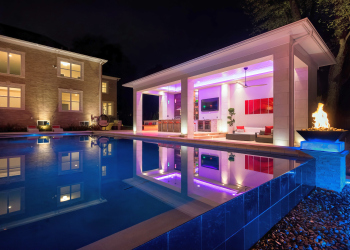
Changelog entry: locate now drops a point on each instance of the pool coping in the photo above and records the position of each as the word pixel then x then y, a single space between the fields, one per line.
pixel 294 152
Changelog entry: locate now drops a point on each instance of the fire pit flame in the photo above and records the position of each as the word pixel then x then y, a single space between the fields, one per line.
pixel 321 122
pixel 320 118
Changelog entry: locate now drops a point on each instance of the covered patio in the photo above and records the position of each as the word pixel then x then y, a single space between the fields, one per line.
pixel 270 80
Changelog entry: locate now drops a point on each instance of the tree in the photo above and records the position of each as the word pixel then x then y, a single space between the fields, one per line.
pixel 331 16
pixel 338 13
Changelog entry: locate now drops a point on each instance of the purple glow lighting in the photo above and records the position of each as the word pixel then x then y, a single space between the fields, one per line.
pixel 235 74
pixel 201 182
pixel 261 68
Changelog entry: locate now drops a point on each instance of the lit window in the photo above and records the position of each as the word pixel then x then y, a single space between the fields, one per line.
pixel 70 69
pixel 43 140
pixel 70 192
pixel 103 170
pixel 107 108
pixel 104 87
pixel 10 63
pixel 70 161
pixel 85 124
pixel 11 97
pixel 10 201
pixel 70 100
pixel 10 167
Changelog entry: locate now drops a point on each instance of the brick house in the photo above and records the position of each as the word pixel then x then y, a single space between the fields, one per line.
pixel 40 83
pixel 109 96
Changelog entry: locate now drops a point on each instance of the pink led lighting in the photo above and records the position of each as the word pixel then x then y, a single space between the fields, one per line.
pixel 261 68
pixel 201 182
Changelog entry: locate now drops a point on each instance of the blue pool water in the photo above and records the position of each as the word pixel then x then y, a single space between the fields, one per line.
pixel 68 192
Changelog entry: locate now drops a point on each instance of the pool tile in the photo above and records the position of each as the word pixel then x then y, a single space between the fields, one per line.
pixel 275 213
pixel 222 246
pixel 251 205
pixel 275 190
pixel 264 223
pixel 298 176
pixel 264 197
pixel 186 236
pixel 236 241
pixel 251 233
pixel 291 200
pixel 157 243
pixel 284 184
pixel 234 215
pixel 213 228
pixel 292 179
pixel 284 206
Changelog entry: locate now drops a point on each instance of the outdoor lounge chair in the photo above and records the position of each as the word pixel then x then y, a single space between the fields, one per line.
pixel 56 128
pixel 32 129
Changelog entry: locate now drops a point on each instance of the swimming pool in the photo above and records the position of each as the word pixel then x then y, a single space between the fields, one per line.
pixel 66 192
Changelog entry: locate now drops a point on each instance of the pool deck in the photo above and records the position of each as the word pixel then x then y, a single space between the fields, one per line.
pixel 265 148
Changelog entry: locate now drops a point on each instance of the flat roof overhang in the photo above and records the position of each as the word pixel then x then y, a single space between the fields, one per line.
pixel 313 45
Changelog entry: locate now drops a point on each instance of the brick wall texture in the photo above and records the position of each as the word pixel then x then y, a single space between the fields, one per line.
pixel 41 90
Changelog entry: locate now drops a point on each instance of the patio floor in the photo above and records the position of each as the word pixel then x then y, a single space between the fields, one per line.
pixel 218 142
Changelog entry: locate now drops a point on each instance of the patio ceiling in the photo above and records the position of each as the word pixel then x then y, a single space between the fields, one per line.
pixel 228 75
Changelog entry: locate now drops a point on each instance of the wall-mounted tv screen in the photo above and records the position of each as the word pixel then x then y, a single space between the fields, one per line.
pixel 211 104
pixel 210 161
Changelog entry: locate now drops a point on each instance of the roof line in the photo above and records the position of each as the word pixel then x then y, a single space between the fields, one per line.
pixel 16 41
pixel 110 77
pixel 227 48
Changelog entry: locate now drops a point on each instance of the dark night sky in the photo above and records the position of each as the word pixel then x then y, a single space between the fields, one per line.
pixel 149 32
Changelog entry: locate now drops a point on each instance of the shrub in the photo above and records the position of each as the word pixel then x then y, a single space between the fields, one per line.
pixel 12 128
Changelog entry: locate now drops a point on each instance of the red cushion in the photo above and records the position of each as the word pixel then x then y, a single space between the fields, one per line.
pixel 56 126
pixel 31 126
pixel 240 127
pixel 268 130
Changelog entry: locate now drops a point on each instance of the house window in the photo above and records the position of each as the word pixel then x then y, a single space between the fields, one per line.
pixel 11 96
pixel 43 122
pixel 104 87
pixel 10 201
pixel 70 192
pixel 107 108
pixel 11 63
pixel 70 100
pixel 84 124
pixel 70 161
pixel 10 167
pixel 70 69
pixel 43 140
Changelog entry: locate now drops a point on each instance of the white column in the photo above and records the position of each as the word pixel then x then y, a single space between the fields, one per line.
pixel 224 167
pixel 301 101
pixel 163 159
pixel 187 108
pixel 163 106
pixel 137 126
pixel 281 96
pixel 137 157
pixel 187 169
pixel 225 105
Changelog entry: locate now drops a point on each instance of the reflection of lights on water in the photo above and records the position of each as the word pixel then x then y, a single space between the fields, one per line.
pixel 198 185
pixel 64 198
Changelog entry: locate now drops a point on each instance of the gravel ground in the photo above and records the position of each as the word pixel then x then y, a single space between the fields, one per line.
pixel 320 221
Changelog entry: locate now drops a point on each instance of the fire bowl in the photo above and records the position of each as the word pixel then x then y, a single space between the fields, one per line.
pixel 331 136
